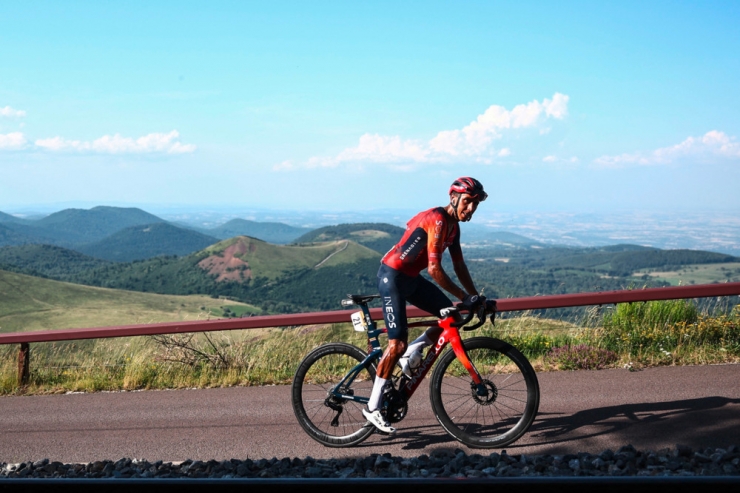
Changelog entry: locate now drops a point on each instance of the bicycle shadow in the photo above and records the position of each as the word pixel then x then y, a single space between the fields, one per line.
pixel 694 422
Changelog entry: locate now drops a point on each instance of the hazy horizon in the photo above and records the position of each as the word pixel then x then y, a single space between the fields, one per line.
pixel 713 231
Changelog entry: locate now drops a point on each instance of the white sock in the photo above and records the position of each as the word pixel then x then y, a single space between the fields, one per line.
pixel 420 342
pixel 377 394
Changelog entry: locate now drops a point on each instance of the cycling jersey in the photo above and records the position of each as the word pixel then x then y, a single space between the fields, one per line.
pixel 427 236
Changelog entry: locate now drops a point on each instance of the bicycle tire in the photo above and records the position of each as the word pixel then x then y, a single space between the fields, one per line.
pixel 498 419
pixel 319 372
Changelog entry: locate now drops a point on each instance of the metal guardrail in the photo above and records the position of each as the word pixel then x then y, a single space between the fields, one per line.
pixel 339 316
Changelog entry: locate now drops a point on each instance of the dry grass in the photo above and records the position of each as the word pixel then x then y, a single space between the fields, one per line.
pixel 271 356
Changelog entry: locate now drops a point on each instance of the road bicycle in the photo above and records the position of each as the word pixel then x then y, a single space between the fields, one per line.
pixel 483 391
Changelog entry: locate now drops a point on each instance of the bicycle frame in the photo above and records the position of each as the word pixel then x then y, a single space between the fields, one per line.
pixel 450 335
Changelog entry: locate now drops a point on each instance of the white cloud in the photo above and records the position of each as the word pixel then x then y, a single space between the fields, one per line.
pixel 379 148
pixel 284 166
pixel 8 111
pixel 116 144
pixel 12 141
pixel 555 159
pixel 710 146
pixel 474 142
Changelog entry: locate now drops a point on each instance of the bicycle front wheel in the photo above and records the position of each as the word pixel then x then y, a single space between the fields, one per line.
pixel 334 421
pixel 512 397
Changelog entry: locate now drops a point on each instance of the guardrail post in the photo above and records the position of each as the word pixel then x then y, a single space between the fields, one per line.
pixel 24 359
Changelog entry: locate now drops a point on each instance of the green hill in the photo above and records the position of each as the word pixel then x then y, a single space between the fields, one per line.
pixel 249 258
pixel 47 261
pixel 147 241
pixel 266 231
pixel 76 226
pixel 32 303
pixel 377 236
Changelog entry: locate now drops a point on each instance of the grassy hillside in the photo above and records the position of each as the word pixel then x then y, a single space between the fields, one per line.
pixel 376 236
pixel 277 278
pixel 262 259
pixel 265 231
pixel 147 241
pixel 32 303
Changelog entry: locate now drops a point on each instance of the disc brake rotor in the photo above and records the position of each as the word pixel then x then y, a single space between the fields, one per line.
pixel 491 393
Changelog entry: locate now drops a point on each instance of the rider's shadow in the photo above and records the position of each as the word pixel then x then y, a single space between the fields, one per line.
pixel 693 422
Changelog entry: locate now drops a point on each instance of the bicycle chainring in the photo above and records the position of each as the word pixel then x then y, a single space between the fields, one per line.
pixel 394 406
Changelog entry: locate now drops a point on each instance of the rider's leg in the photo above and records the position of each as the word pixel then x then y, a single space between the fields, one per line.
pixel 382 379
pixel 384 371
pixel 430 298
pixel 391 285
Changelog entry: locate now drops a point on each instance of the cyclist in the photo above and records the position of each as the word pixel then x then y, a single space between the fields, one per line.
pixel 427 235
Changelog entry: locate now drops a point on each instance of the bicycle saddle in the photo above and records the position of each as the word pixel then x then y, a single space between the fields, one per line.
pixel 362 298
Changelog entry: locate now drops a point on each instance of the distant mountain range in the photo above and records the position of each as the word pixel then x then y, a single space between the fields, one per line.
pixel 290 269
pixel 323 265
pixel 278 233
pixel 126 234
pixel 74 227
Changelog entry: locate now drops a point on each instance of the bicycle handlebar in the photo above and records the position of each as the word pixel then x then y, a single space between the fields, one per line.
pixel 489 306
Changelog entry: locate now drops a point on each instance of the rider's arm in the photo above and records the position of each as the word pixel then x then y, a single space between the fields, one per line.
pixel 440 277
pixel 461 269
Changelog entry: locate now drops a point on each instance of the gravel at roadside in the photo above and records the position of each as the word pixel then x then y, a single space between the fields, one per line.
pixel 680 461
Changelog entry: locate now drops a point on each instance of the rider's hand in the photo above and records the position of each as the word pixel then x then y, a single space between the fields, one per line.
pixel 472 301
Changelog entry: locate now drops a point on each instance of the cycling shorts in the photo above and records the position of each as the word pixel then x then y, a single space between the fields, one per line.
pixel 397 288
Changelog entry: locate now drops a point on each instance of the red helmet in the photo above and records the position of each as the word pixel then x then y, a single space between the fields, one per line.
pixel 471 186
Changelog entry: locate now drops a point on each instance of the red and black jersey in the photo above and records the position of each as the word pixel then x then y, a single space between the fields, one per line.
pixel 427 236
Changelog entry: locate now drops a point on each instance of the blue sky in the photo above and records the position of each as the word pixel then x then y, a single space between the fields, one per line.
pixel 554 106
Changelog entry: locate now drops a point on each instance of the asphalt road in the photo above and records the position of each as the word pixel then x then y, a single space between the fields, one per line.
pixel 588 411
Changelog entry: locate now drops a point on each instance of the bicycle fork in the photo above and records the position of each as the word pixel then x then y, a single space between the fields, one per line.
pixel 457 346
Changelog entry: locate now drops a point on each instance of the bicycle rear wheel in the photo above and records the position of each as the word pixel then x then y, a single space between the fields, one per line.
pixel 332 421
pixel 498 418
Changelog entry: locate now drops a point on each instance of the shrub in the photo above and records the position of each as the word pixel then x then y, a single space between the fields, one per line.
pixel 665 327
pixel 634 326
